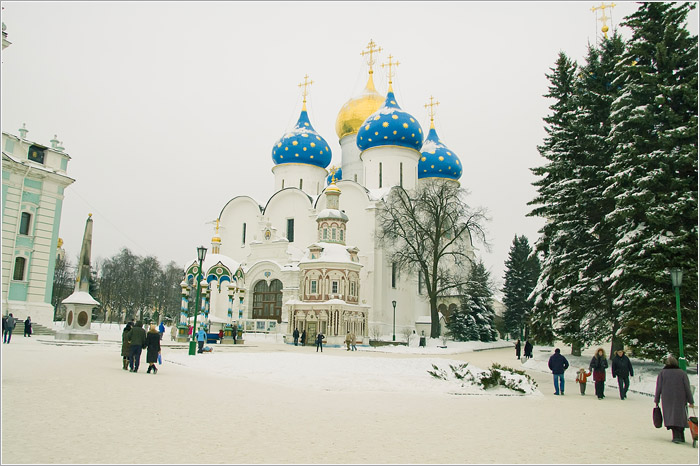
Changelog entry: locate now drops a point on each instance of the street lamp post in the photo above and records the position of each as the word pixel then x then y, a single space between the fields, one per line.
pixel 201 254
pixel 676 280
pixel 393 338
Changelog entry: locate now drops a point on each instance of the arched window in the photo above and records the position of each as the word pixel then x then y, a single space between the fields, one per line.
pixel 20 265
pixel 267 301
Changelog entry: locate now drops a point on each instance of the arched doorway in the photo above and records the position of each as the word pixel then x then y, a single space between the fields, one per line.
pixel 267 300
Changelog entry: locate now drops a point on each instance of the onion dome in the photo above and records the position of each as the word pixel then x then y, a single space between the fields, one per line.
pixel 437 161
pixel 335 173
pixel 356 110
pixel 303 144
pixel 390 126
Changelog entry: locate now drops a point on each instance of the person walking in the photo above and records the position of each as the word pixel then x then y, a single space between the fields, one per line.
pixel 581 378
pixel 528 349
pixel 319 341
pixel 348 340
pixel 673 389
pixel 353 340
pixel 137 342
pixel 221 336
pixel 558 365
pixel 161 330
pixel 10 323
pixel 622 369
pixel 28 327
pixel 303 337
pixel 201 339
pixel 295 334
pixel 517 349
pixel 126 346
pixel 598 365
pixel 173 333
pixel 152 348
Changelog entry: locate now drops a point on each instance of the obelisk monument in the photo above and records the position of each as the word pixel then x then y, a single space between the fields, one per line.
pixel 80 304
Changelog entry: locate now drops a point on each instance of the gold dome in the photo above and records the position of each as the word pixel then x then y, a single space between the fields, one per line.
pixel 356 110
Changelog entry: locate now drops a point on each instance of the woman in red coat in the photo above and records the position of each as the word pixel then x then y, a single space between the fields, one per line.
pixel 598 365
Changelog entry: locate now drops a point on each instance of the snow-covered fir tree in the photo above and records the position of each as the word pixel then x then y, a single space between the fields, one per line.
pixel 654 179
pixel 474 320
pixel 522 271
pixel 553 201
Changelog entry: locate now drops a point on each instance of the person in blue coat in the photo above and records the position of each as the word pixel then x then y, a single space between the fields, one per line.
pixel 558 364
pixel 201 339
pixel 161 330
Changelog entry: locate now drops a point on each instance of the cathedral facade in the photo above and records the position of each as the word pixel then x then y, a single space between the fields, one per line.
pixel 307 257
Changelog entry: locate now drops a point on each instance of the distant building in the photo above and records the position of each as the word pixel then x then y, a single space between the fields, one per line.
pixel 33 181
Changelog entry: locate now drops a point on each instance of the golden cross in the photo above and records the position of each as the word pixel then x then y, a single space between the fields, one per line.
pixel 305 84
pixel 371 50
pixel 432 110
pixel 389 65
pixel 603 18
pixel 217 226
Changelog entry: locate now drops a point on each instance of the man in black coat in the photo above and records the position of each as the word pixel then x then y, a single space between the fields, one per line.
pixel 622 369
pixel 295 334
pixel 137 340
pixel 558 364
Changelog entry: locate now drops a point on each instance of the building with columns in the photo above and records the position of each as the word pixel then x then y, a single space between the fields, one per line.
pixel 307 258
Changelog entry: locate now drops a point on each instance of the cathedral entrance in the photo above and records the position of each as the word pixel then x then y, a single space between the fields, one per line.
pixel 267 300
pixel 311 332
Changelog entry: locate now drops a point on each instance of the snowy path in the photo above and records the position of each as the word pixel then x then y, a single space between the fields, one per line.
pixel 74 404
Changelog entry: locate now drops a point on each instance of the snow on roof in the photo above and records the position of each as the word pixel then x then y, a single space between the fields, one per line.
pixel 332 252
pixel 80 297
pixel 332 213
pixel 423 320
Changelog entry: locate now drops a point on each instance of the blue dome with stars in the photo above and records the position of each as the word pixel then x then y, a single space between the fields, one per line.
pixel 302 145
pixel 437 161
pixel 338 175
pixel 390 126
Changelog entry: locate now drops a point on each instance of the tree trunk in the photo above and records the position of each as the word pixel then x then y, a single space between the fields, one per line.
pixel 576 348
pixel 434 319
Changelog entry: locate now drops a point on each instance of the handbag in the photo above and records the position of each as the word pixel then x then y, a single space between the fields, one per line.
pixel 657 417
pixel 160 360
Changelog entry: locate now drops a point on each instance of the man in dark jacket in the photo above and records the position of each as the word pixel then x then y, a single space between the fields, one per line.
pixel 137 340
pixel 295 334
pixel 558 364
pixel 622 369
pixel 8 328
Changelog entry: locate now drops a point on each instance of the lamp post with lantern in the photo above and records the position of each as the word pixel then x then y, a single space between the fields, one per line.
pixel 676 280
pixel 201 254
pixel 393 338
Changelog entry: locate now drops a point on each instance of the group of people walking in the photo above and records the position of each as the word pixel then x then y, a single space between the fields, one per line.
pixel 672 385
pixel 9 322
pixel 301 338
pixel 134 340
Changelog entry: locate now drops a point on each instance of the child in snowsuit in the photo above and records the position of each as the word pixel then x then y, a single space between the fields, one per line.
pixel 581 377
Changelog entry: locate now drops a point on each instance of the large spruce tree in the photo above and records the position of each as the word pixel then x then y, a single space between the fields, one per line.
pixel 474 319
pixel 654 180
pixel 522 271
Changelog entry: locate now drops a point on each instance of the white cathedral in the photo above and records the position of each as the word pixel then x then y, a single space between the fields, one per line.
pixel 307 257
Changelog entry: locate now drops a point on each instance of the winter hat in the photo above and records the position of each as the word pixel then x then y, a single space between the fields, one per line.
pixel 557 350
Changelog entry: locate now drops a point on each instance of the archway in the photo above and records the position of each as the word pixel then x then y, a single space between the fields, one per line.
pixel 267 300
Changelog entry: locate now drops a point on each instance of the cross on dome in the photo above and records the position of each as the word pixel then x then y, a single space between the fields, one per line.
pixel 389 65
pixel 370 51
pixel 305 85
pixel 603 18
pixel 432 110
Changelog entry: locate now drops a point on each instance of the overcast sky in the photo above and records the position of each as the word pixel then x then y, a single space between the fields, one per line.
pixel 170 109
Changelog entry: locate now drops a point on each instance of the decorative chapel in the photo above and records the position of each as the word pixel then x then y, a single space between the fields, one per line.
pixel 307 258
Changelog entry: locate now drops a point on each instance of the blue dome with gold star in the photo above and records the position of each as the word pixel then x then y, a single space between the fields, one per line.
pixel 338 173
pixel 302 145
pixel 437 161
pixel 390 126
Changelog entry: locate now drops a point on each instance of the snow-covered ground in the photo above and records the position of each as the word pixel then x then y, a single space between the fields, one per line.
pixel 379 374
pixel 270 402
